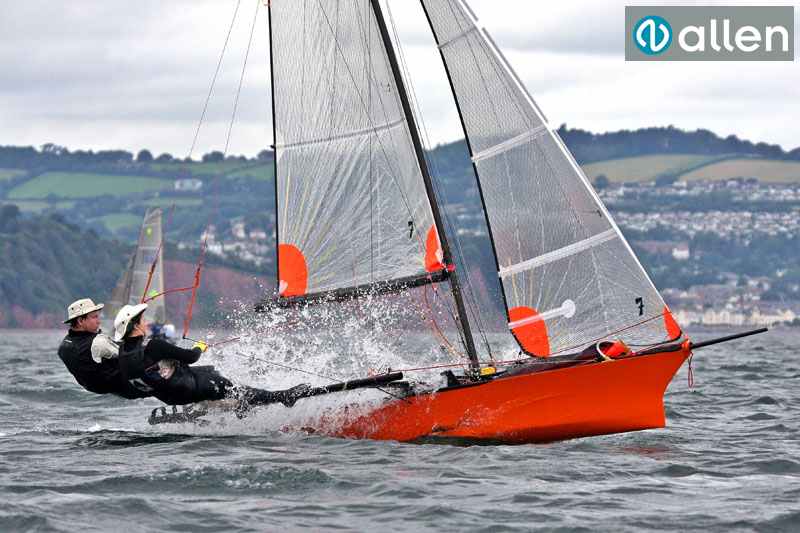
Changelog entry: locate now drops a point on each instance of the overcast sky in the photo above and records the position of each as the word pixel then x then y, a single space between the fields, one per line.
pixel 101 74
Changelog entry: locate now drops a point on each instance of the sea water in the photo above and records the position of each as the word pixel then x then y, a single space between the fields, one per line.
pixel 729 458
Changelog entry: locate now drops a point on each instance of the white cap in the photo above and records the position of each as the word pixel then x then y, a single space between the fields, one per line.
pixel 124 317
pixel 81 307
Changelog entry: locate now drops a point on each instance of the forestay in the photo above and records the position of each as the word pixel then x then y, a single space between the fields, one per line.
pixel 352 210
pixel 568 275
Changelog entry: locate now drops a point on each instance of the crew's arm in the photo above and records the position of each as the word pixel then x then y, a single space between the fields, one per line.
pixel 159 349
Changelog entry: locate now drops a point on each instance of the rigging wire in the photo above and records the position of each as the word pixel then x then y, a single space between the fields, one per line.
pixel 187 322
pixel 214 80
pixel 201 261
pixel 437 186
pixel 241 79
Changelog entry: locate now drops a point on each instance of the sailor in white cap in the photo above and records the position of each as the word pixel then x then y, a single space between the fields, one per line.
pixel 101 375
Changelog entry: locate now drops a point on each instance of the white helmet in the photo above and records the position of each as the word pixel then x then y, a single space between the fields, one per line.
pixel 124 317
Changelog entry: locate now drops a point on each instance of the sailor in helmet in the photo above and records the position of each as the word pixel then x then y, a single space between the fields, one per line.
pixel 90 356
pixel 164 370
pixel 126 366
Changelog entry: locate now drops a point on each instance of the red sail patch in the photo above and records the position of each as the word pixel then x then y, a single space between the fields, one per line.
pixel 673 329
pixel 434 256
pixel 292 271
pixel 532 336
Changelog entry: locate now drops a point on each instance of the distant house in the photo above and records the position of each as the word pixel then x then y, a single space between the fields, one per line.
pixel 681 252
pixel 657 247
pixel 237 228
pixel 188 185
pixel 209 234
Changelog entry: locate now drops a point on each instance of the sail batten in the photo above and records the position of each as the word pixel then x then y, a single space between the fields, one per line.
pixel 509 144
pixel 457 37
pixel 346 135
pixel 561 253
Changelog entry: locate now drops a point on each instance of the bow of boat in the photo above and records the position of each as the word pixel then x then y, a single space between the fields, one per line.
pixel 531 405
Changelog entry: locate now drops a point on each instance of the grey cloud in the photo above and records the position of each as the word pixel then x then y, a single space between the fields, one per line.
pixel 118 74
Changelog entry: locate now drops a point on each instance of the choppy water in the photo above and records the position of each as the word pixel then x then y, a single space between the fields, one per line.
pixel 728 460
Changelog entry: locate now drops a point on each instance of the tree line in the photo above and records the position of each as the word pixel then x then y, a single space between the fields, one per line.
pixel 587 147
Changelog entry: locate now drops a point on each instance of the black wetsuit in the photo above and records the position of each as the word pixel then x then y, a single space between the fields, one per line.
pixel 101 378
pixel 135 373
pixel 187 384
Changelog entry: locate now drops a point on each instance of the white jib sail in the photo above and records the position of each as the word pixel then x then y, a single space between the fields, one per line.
pixel 568 275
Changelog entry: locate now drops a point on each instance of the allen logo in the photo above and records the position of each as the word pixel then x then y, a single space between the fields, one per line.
pixel 695 33
pixel 653 35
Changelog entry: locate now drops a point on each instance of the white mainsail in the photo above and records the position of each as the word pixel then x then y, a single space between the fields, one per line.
pixel 569 277
pixel 352 208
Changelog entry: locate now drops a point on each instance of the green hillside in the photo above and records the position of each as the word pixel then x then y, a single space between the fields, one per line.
pixel 118 221
pixel 9 173
pixel 37 206
pixel 766 170
pixel 45 262
pixel 167 202
pixel 646 168
pixel 228 169
pixel 689 167
pixel 260 172
pixel 85 185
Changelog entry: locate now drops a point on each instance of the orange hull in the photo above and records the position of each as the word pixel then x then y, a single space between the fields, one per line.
pixel 578 401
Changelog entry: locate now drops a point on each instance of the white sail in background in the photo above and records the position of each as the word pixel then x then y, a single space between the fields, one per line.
pixel 130 288
pixel 568 275
pixel 352 209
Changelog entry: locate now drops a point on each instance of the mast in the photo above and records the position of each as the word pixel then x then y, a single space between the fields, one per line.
pixel 471 152
pixel 274 143
pixel 437 217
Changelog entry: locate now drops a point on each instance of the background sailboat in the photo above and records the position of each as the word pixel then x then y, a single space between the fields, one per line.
pixel 132 283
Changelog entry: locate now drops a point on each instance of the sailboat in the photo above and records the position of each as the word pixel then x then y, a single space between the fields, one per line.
pixel 137 277
pixel 358 214
pixel 359 217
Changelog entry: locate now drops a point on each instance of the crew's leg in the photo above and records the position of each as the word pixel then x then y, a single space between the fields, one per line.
pixel 210 384
pixel 287 397
pixel 191 384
